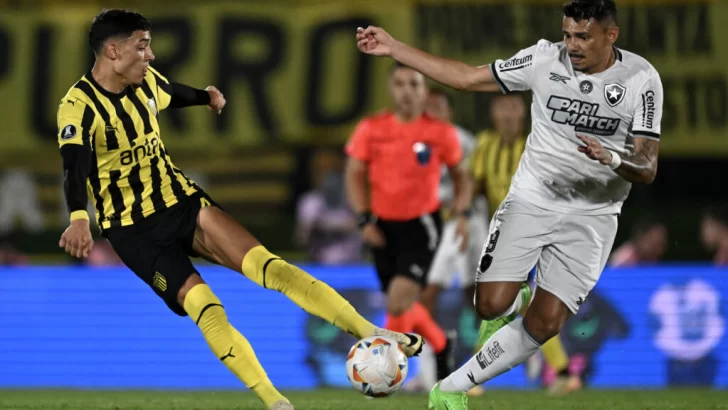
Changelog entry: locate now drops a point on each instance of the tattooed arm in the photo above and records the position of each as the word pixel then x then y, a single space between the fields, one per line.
pixel 640 166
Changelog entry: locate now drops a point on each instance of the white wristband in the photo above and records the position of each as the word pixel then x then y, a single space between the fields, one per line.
pixel 616 160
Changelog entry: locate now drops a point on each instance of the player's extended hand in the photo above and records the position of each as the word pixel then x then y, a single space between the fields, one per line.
pixel 462 232
pixel 594 149
pixel 217 100
pixel 374 40
pixel 373 236
pixel 76 239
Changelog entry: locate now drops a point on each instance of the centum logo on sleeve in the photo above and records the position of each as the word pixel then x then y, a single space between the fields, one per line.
pixel 68 132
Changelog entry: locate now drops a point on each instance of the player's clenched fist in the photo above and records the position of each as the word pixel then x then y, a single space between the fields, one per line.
pixel 374 40
pixel 217 100
pixel 76 239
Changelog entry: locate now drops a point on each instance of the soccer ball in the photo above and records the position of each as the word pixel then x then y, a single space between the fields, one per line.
pixel 376 366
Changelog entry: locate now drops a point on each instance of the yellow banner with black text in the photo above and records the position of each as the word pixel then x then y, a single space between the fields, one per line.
pixel 292 74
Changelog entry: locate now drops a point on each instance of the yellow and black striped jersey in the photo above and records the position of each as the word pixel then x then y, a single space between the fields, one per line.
pixel 493 164
pixel 132 175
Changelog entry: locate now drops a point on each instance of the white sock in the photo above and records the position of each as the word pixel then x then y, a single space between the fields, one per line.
pixel 507 348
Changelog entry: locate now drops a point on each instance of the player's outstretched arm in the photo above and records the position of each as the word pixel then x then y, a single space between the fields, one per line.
pixel 185 96
pixel 638 167
pixel 375 41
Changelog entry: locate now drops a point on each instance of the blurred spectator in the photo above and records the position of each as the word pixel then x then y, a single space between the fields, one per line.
pixel 102 254
pixel 326 225
pixel 19 202
pixel 714 234
pixel 647 245
pixel 9 255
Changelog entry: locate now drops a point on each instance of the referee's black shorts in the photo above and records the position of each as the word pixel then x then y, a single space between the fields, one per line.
pixel 409 250
pixel 158 248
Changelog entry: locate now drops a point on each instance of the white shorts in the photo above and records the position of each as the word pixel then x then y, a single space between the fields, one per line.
pixel 569 251
pixel 449 261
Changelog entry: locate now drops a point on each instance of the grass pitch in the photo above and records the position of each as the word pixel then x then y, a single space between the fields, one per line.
pixel 350 400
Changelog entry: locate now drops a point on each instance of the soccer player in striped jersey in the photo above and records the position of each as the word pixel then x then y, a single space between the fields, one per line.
pixel 154 216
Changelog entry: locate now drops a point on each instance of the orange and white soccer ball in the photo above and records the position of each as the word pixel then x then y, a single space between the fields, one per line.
pixel 376 366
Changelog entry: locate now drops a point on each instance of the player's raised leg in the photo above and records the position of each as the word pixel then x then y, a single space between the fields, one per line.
pixel 221 239
pixel 228 345
pixel 513 248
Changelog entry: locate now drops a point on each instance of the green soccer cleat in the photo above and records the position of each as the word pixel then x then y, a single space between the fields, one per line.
pixel 440 400
pixel 489 327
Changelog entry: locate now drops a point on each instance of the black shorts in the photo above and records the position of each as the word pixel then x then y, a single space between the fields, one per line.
pixel 158 248
pixel 409 250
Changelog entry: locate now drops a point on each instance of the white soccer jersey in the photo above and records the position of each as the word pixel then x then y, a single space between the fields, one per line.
pixel 467 143
pixel 614 106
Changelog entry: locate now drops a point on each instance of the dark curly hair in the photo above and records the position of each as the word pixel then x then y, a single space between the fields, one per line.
pixel 112 23
pixel 599 10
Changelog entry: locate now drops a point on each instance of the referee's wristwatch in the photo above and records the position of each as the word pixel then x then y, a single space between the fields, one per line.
pixel 466 213
pixel 365 218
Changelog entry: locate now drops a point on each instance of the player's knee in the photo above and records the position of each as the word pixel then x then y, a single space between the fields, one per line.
pixel 192 281
pixel 489 308
pixel 542 327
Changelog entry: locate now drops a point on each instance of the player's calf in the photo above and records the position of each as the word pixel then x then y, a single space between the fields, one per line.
pixel 545 316
pixel 228 345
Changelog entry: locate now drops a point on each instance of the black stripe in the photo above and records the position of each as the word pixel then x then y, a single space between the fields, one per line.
pixel 177 189
pixel 117 199
pixel 135 183
pixel 157 197
pixel 617 54
pixel 647 134
pixel 266 267
pixel 126 120
pixel 143 112
pixel 112 142
pixel 189 181
pixel 148 92
pixel 163 85
pixel 197 322
pixel 498 79
pixel 93 177
pixel 514 68
pixel 644 108
pixel 86 123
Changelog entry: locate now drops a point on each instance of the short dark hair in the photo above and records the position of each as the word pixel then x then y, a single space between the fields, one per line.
pixel 112 23
pixel 396 66
pixel 599 10
pixel 437 91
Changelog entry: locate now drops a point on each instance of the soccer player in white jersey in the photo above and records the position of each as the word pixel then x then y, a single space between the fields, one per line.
pixel 596 116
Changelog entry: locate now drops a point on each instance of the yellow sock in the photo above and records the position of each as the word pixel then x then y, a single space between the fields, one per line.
pixel 314 296
pixel 228 344
pixel 554 354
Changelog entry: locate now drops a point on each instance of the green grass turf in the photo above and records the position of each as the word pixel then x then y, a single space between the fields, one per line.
pixel 350 400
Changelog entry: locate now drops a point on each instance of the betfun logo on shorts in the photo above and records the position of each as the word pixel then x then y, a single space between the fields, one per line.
pixel 582 115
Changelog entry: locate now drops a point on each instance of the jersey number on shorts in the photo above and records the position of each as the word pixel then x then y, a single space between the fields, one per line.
pixel 487 259
pixel 204 203
pixel 493 241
